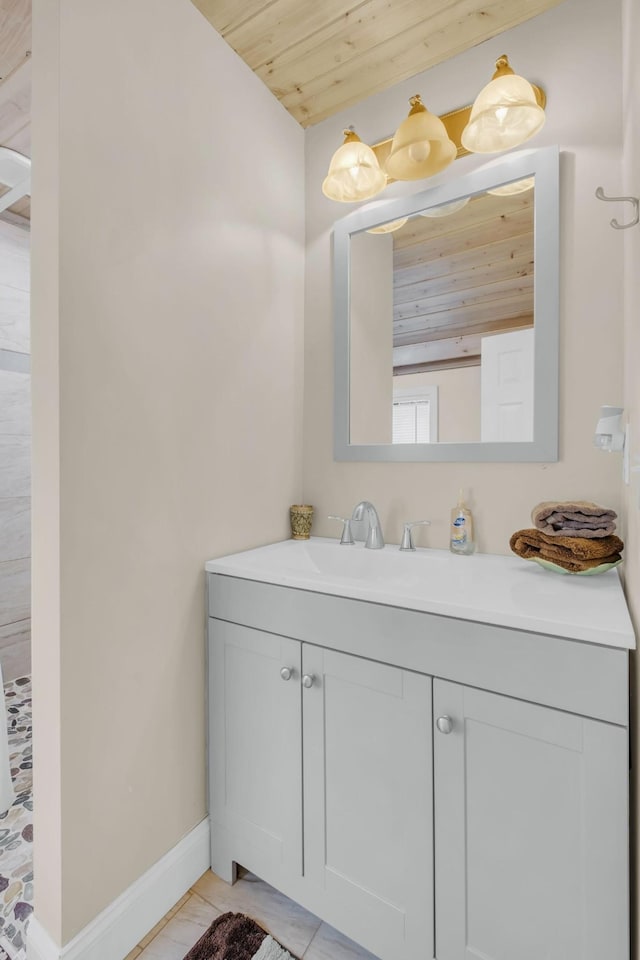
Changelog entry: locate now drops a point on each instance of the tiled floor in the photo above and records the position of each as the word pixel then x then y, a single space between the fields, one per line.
pixel 296 929
pixel 15 646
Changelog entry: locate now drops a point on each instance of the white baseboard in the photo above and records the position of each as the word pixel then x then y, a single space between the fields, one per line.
pixel 124 923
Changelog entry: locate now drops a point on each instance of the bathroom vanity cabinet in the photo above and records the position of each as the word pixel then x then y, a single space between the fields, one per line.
pixel 431 786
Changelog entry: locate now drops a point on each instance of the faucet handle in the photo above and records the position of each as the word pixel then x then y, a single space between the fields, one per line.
pixel 407 539
pixel 347 536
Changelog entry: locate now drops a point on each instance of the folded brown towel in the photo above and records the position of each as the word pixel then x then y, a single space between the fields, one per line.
pixel 572 553
pixel 574 518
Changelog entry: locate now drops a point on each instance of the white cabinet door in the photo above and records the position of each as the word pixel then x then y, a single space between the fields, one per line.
pixel 530 831
pixel 255 785
pixel 368 801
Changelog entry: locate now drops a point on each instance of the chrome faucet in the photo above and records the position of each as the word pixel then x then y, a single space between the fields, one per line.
pixel 366 511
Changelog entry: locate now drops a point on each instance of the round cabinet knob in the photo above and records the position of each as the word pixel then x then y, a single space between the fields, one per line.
pixel 444 724
pixel 307 681
pixel 285 673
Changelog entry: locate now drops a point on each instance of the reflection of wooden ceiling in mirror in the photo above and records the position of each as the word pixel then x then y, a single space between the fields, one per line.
pixel 459 278
pixel 319 58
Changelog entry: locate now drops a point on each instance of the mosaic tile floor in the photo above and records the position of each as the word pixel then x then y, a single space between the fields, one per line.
pixel 16 826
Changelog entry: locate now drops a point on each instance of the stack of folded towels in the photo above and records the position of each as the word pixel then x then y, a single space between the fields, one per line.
pixel 576 535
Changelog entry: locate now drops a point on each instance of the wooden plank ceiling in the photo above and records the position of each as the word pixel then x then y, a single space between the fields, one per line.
pixel 459 278
pixel 321 56
pixel 316 56
pixel 15 84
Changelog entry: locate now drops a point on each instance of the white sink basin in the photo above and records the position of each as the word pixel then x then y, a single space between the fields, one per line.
pixel 330 559
pixel 505 591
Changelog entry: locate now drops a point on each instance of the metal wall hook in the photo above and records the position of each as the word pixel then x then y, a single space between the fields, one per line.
pixel 636 205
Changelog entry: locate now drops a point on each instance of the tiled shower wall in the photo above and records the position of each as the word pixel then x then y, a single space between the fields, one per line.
pixel 15 451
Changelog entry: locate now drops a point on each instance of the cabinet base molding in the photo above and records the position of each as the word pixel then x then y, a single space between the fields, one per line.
pixel 121 925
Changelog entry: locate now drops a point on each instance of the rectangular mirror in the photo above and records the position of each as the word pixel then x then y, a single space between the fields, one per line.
pixel 446 319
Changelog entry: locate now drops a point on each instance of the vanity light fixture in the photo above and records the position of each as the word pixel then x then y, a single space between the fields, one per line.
pixel 446 209
pixel 505 114
pixel 511 189
pixel 421 146
pixel 354 172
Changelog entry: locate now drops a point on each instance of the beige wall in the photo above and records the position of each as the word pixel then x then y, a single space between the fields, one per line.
pixel 167 305
pixel 168 291
pixel 630 241
pixel 557 49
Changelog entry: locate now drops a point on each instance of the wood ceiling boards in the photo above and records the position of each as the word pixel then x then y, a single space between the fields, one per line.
pixel 459 278
pixel 15 84
pixel 321 56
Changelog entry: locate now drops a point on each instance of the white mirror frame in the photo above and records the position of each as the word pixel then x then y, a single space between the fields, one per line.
pixel 544 165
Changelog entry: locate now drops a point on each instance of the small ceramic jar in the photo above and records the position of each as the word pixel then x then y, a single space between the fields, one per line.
pixel 301 515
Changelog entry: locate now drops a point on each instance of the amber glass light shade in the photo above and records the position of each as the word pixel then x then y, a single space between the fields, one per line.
pixel 354 172
pixel 389 227
pixel 505 113
pixel 446 209
pixel 421 146
pixel 511 189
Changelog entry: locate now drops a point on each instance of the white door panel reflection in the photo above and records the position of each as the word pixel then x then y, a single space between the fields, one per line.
pixel 507 387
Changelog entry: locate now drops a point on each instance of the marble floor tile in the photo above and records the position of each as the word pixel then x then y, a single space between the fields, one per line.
pixel 163 949
pixel 11 633
pixel 14 319
pixel 15 403
pixel 14 256
pixel 162 923
pixel 16 660
pixel 15 466
pixel 289 923
pixel 329 944
pixel 15 591
pixel 180 933
pixel 295 928
pixel 15 528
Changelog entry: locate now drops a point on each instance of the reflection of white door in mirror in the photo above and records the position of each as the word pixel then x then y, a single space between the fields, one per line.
pixel 506 387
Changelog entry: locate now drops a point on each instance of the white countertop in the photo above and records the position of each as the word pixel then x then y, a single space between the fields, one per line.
pixel 505 591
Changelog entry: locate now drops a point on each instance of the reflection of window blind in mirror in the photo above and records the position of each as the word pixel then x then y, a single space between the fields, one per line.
pixel 411 421
pixel 415 415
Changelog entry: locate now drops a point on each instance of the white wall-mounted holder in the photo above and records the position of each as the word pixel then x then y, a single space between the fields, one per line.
pixel 609 435
pixel 636 206
pixel 612 437
pixel 15 173
pixel 635 469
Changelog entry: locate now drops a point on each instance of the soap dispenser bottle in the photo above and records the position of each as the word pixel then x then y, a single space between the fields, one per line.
pixel 461 537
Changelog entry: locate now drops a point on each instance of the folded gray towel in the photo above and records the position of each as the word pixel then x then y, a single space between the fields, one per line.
pixel 574 518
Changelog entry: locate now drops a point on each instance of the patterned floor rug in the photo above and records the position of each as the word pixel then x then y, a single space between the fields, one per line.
pixel 16 826
pixel 234 936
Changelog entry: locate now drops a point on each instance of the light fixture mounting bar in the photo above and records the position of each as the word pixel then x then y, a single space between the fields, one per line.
pixel 455 121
